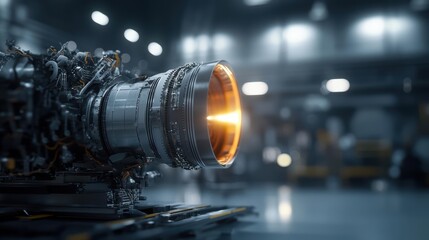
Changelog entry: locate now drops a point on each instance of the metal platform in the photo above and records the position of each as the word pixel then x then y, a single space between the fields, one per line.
pixel 159 222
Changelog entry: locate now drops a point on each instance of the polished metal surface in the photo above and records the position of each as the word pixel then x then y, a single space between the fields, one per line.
pixel 316 213
pixel 125 117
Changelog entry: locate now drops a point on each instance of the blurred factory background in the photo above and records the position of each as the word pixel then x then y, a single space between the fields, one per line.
pixel 335 93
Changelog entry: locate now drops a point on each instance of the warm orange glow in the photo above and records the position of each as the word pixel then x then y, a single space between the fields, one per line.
pixel 232 118
pixel 224 114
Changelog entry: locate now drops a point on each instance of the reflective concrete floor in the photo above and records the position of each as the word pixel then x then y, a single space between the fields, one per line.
pixel 294 213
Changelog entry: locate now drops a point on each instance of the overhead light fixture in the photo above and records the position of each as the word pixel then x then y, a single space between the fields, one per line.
pixel 100 18
pixel 318 11
pixel 221 42
pixel 154 48
pixel 337 85
pixel 203 42
pixel 273 37
pixel 252 3
pixel 298 33
pixel 284 160
pixel 188 46
pixel 372 27
pixel 131 35
pixel 255 88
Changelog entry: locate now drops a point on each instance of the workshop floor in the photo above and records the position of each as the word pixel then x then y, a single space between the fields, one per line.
pixel 294 213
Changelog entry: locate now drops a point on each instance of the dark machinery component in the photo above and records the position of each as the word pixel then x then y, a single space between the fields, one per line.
pixel 162 222
pixel 77 131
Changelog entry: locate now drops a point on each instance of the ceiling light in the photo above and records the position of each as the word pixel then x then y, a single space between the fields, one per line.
pixel 154 48
pixel 221 42
pixel 298 33
pixel 203 43
pixel 284 160
pixel 252 3
pixel 255 88
pixel 189 45
pixel 131 35
pixel 100 18
pixel 337 85
pixel 372 27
